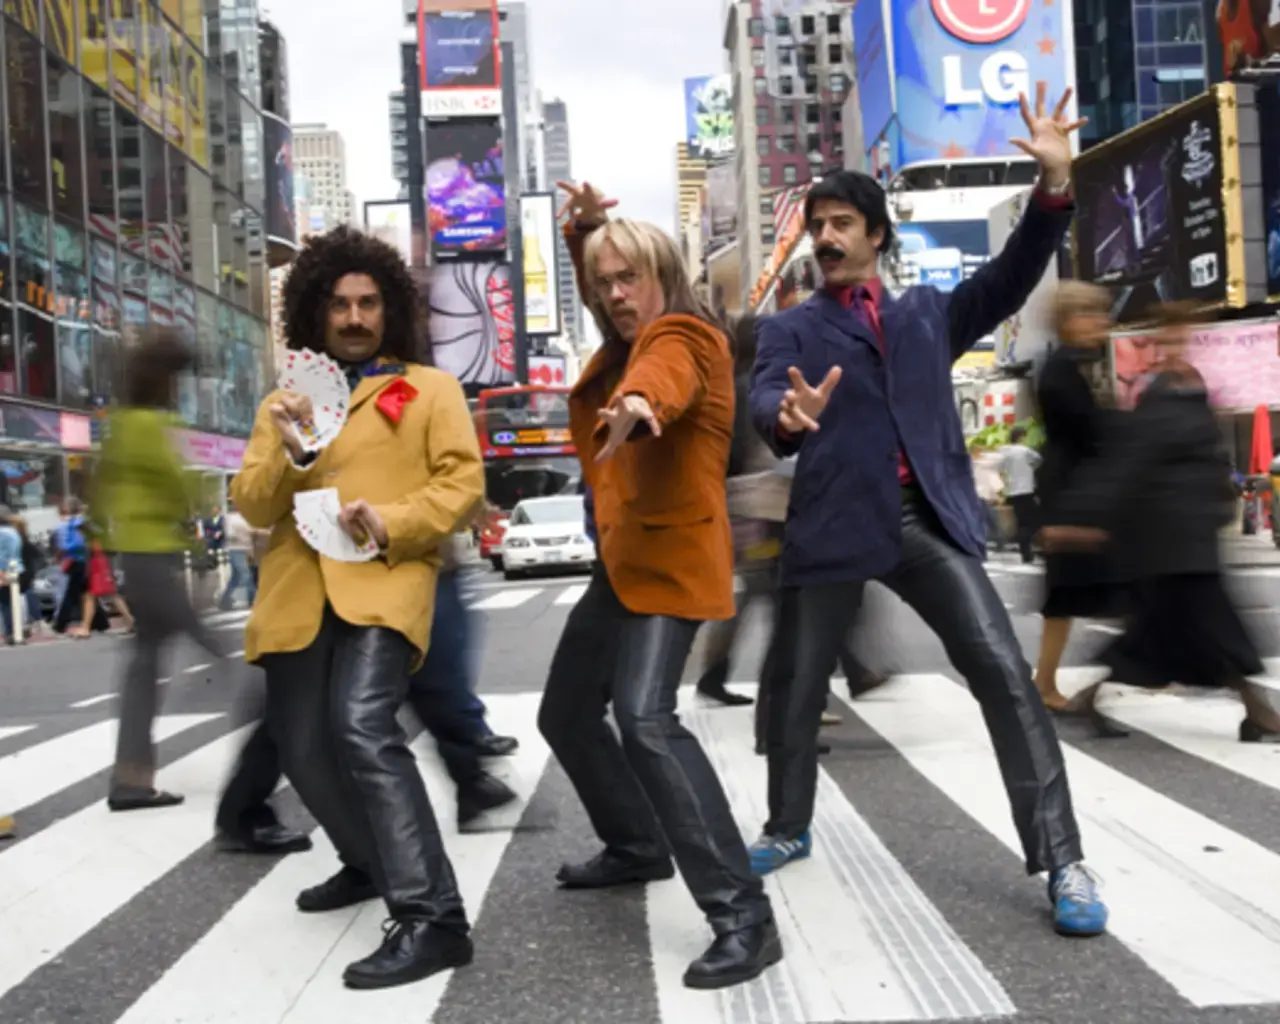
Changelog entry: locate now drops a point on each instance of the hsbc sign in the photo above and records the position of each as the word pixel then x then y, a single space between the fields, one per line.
pixel 461 102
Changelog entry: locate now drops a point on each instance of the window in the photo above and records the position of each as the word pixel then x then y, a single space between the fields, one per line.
pixel 788 114
pixel 786 85
pixel 65 101
pixel 23 60
pixel 767 237
pixel 786 56
pixel 808 25
pixel 782 25
pixel 839 83
pixel 812 114
pixel 35 302
pixel 763 147
pixel 105 297
pixel 755 28
pixel 161 246
pixel 789 174
pixel 761 86
pixel 219 162
pixel 766 206
pixel 223 205
pixel 813 144
pixel 179 215
pixel 73 324
pixel 833 24
pixel 208 361
pixel 835 53
pixel 762 115
pixel 203 248
pixel 786 143
pixel 811 85
pixel 757 56
pixel 765 176
pixel 255 184
pixel 100 175
pixel 129 182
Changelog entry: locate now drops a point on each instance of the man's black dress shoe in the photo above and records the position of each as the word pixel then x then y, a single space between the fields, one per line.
pixel 736 957
pixel 345 889
pixel 264 839
pixel 607 869
pixel 485 793
pixel 496 746
pixel 410 951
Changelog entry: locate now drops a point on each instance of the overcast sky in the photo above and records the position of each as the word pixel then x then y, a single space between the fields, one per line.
pixel 619 66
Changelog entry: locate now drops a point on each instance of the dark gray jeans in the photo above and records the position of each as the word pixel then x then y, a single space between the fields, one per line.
pixel 153 586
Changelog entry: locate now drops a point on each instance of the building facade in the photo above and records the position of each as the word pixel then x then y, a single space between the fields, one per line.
pixel 791 75
pixel 131 193
pixel 559 167
pixel 691 180
pixel 399 142
pixel 320 156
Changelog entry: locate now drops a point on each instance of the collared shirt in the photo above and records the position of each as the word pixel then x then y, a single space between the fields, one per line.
pixel 1018 464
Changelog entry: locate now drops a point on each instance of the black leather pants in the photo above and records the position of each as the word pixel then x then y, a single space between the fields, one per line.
pixel 950 590
pixel 333 708
pixel 657 782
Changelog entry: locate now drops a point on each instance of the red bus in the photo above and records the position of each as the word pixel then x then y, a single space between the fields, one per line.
pixel 528 453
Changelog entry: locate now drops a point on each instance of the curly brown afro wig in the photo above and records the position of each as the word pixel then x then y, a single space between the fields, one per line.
pixel 323 262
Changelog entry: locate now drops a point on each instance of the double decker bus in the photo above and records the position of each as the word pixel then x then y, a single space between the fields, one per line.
pixel 528 453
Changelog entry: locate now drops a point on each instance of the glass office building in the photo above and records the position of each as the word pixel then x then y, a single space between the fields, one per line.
pixel 131 193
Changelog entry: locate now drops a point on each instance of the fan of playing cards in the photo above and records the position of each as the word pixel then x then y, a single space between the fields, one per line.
pixel 321 380
pixel 316 513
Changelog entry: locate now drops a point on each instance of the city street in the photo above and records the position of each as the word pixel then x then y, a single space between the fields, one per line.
pixel 913 907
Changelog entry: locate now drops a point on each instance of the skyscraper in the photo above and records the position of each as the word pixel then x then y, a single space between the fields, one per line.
pixel 320 156
pixel 559 166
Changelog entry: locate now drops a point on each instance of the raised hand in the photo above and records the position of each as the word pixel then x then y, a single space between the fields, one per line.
pixel 1049 143
pixel 288 413
pixel 802 404
pixel 586 205
pixel 621 417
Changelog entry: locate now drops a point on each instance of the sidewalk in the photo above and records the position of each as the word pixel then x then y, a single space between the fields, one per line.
pixel 1255 552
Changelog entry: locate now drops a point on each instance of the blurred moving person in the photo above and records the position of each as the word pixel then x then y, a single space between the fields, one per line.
pixel 240 556
pixel 142 499
pixel 1079 584
pixel 11 570
pixel 1165 486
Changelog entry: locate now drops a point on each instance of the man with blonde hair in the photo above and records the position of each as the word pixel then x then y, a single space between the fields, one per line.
pixel 652 420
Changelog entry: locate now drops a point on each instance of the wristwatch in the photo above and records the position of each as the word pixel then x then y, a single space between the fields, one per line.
pixel 1056 190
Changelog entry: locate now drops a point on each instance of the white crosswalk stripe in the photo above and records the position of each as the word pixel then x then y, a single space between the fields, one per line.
pixel 865 938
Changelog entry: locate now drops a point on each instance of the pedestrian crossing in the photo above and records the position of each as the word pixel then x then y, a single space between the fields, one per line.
pixel 913 906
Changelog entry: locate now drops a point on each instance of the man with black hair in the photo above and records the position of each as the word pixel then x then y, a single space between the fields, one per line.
pixel 858 384
pixel 338 640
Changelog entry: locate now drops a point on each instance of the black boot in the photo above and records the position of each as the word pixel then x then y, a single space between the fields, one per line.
pixel 608 869
pixel 265 839
pixel 736 957
pixel 712 686
pixel 345 889
pixel 485 793
pixel 410 951
pixel 496 746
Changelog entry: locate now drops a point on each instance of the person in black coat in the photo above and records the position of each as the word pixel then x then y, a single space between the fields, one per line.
pixel 1078 584
pixel 1167 485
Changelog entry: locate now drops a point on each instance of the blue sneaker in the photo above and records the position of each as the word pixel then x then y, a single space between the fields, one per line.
pixel 1077 909
pixel 769 853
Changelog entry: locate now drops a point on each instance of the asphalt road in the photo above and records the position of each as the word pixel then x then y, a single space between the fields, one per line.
pixel 913 907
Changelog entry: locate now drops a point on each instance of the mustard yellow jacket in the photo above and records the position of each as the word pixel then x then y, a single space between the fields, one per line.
pixel 423 475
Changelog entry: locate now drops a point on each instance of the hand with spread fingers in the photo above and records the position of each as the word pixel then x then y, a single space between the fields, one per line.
pixel 802 403
pixel 621 417
pixel 586 206
pixel 1049 142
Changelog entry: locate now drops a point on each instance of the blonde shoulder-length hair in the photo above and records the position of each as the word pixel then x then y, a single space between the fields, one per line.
pixel 648 249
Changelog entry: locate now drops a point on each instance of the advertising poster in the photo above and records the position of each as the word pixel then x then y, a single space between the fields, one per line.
pixel 193 22
pixel 151 60
pixel 1249 31
pixel 1268 99
pixel 959 67
pixel 874 68
pixel 1025 335
pixel 124 52
pixel 391 223
pixel 60 28
pixel 282 220
pixel 460 72
pixel 193 79
pixel 943 253
pixel 722 202
pixel 473 332
pixel 466 191
pixel 175 107
pixel 94 47
pixel 541 270
pixel 708 113
pixel 1150 222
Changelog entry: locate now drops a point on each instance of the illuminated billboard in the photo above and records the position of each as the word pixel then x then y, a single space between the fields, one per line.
pixel 466 189
pixel 708 113
pixel 459 62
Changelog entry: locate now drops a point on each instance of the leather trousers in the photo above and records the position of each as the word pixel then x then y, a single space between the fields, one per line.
pixel 655 790
pixel 950 590
pixel 332 708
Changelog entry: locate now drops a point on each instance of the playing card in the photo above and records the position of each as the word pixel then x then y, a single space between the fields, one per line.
pixel 316 514
pixel 321 380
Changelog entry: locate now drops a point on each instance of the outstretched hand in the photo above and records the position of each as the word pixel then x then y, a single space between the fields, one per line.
pixel 1049 135
pixel 802 403
pixel 621 417
pixel 586 205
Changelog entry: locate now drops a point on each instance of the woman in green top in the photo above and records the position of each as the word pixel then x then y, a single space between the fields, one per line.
pixel 142 501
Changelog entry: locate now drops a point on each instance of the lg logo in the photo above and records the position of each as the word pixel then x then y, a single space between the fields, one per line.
pixel 981 21
pixel 1004 74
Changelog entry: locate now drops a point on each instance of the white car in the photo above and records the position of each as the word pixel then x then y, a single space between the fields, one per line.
pixel 547 534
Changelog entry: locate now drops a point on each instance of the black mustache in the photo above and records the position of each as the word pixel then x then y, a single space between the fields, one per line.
pixel 829 252
pixel 355 332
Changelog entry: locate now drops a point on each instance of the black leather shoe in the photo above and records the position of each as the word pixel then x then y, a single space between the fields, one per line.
pixel 410 951
pixel 496 746
pixel 823 749
pixel 484 794
pixel 607 869
pixel 265 839
pixel 345 889
pixel 736 957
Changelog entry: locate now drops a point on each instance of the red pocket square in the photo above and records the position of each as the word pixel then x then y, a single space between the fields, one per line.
pixel 394 397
